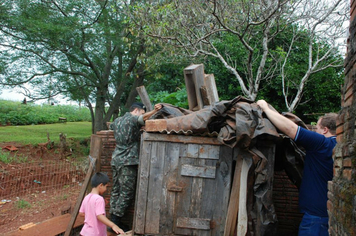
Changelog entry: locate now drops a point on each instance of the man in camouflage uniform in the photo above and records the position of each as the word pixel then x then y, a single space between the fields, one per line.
pixel 125 159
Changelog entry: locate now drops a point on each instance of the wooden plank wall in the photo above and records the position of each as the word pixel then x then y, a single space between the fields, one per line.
pixel 183 187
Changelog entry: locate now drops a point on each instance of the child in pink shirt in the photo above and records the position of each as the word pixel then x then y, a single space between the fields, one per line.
pixel 93 209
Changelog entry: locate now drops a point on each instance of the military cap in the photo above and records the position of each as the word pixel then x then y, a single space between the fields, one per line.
pixel 138 105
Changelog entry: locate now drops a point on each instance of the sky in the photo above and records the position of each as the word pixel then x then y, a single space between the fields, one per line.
pixel 13 95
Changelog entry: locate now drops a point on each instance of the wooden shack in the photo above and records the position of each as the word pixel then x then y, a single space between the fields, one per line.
pixel 183 186
pixel 195 185
pixel 185 183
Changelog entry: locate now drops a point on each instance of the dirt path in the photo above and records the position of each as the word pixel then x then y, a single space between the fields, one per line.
pixel 38 206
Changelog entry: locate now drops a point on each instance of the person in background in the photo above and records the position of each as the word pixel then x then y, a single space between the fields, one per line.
pixel 125 160
pixel 318 167
pixel 93 209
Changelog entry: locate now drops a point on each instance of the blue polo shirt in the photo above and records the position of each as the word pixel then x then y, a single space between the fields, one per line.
pixel 318 170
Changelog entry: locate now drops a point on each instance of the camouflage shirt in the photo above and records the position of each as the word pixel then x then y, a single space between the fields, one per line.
pixel 127 136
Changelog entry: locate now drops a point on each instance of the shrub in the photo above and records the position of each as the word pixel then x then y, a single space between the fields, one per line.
pixel 16 113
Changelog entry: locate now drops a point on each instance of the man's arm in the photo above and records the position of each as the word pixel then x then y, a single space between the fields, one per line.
pixel 150 113
pixel 282 123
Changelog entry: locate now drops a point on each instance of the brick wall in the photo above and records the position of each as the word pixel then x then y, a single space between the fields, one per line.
pixel 342 190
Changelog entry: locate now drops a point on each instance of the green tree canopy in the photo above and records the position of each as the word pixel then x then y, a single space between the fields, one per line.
pixel 83 49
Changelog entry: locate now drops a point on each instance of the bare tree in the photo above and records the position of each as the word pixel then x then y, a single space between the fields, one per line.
pixel 324 21
pixel 196 26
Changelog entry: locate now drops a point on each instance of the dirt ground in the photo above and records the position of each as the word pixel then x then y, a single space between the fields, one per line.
pixel 42 205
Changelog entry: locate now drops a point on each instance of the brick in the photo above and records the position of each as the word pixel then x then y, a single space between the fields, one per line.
pixel 338 162
pixel 347 174
pixel 330 205
pixel 345 151
pixel 341 117
pixel 330 186
pixel 340 130
pixel 336 171
pixel 339 138
pixel 347 102
pixel 350 83
pixel 330 196
pixel 347 163
pixel 349 94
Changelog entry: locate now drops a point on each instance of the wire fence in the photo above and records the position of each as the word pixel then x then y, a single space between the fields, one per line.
pixel 28 178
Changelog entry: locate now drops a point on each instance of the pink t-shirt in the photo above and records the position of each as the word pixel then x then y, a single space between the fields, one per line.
pixel 92 206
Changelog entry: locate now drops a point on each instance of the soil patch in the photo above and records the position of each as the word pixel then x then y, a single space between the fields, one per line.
pixel 39 205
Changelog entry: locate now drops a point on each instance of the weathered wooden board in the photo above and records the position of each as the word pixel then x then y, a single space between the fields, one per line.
pixel 180 139
pixel 54 226
pixel 194 80
pixel 211 88
pixel 193 223
pixel 231 217
pixel 142 92
pixel 155 188
pixel 170 188
pixel 96 150
pixel 198 171
pixel 142 188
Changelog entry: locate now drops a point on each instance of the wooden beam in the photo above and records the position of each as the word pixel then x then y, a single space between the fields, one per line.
pixel 233 210
pixel 144 97
pixel 53 226
pixel 211 89
pixel 81 196
pixel 96 149
pixel 242 220
pixel 194 80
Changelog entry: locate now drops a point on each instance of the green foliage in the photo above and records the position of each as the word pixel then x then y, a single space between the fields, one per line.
pixel 178 98
pixel 22 204
pixel 16 113
pixel 84 50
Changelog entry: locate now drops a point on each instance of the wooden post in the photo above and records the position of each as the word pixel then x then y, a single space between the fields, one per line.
pixel 211 89
pixel 96 149
pixel 80 197
pixel 194 80
pixel 144 97
pixel 233 210
pixel 242 221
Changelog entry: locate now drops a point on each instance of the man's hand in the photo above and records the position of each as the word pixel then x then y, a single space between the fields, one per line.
pixel 158 107
pixel 263 104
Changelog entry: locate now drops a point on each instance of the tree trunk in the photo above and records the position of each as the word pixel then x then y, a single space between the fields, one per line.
pixel 99 123
pixel 133 92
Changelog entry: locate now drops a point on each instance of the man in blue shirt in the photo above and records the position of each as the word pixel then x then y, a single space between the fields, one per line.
pixel 318 167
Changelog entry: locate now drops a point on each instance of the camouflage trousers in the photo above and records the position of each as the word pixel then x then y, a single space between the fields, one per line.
pixel 123 189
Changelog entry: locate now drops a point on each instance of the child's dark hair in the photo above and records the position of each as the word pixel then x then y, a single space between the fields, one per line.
pixel 99 178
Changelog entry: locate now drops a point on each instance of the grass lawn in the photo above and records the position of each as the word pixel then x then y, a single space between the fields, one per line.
pixel 34 134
